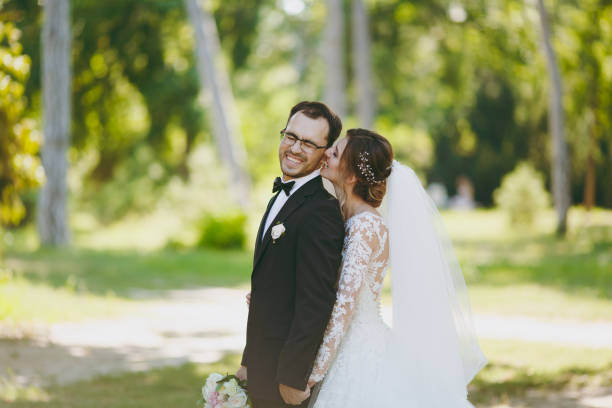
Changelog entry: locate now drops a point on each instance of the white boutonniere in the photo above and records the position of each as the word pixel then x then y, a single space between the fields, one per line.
pixel 277 231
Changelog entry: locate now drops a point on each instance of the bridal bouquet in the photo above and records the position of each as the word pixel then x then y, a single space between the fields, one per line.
pixel 225 392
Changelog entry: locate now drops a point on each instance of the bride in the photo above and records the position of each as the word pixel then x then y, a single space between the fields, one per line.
pixel 430 354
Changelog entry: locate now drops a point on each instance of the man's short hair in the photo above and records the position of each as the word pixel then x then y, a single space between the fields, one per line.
pixel 315 110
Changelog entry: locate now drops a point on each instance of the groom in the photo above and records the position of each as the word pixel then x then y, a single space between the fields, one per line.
pixel 295 267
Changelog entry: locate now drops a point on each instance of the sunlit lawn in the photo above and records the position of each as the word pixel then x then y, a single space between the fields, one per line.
pixel 104 272
pixel 516 271
pixel 509 271
pixel 515 369
pixel 531 272
pixel 53 285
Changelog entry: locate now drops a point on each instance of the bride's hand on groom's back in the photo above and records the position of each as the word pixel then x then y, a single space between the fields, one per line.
pixel 248 298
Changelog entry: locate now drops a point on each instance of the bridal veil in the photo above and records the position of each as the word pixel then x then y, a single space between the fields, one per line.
pixel 433 352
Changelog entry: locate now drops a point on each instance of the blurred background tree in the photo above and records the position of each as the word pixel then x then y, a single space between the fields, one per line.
pixel 522 194
pixel 55 38
pixel 20 170
pixel 221 107
pixel 556 122
pixel 460 88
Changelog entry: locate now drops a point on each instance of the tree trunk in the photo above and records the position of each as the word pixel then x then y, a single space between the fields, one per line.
pixel 221 110
pixel 362 63
pixel 590 173
pixel 335 87
pixel 594 73
pixel 589 181
pixel 560 160
pixel 56 88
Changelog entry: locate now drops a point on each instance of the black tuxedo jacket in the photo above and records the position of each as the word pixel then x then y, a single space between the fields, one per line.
pixel 292 290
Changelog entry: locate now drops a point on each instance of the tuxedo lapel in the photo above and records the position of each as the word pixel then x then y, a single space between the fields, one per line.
pixel 293 203
pixel 262 224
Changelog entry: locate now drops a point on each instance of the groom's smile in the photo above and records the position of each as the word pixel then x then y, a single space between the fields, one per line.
pixel 292 160
pixel 297 160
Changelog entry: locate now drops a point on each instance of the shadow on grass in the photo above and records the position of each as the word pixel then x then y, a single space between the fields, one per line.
pixel 582 262
pixel 579 263
pixel 118 272
pixel 164 387
pixel 180 387
pixel 500 383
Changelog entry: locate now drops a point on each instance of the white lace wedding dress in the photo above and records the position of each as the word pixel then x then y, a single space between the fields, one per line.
pixel 349 360
pixel 431 353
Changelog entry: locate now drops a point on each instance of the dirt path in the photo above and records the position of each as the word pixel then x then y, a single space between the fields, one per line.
pixel 185 326
pixel 201 325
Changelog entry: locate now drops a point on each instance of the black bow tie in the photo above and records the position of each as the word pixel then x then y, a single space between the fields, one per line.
pixel 279 185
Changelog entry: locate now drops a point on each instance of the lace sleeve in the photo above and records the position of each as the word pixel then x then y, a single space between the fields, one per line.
pixel 359 246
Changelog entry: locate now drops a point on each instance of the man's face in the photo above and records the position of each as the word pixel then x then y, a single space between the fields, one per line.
pixel 294 161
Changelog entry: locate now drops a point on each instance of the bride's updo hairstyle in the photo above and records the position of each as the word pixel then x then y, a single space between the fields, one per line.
pixel 369 157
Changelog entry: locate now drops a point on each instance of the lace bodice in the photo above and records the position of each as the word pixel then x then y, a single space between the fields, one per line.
pixel 364 263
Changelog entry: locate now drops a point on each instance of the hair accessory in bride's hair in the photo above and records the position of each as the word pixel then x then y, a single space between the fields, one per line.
pixel 366 169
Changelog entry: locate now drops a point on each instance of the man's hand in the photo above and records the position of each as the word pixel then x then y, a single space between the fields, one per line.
pixel 242 373
pixel 293 396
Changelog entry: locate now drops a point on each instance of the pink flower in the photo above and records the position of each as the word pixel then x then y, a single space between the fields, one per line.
pixel 213 399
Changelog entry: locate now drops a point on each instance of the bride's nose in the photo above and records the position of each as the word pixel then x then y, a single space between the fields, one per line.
pixel 328 152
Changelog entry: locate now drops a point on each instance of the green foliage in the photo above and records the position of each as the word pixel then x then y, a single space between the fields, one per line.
pixel 412 146
pixel 522 194
pixel 20 168
pixel 133 189
pixel 237 27
pixel 460 86
pixel 223 232
pixel 133 79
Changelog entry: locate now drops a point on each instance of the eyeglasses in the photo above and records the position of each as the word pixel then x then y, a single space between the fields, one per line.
pixel 307 146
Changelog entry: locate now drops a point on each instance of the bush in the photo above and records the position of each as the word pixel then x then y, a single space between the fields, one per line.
pixel 223 232
pixel 522 194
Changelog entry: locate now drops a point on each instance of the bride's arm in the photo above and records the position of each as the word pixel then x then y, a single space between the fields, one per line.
pixel 359 248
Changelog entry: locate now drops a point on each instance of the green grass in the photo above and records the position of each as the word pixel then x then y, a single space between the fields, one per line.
pixel 166 387
pixel 538 301
pixel 508 270
pixel 53 285
pixel 118 272
pixel 531 272
pixel 515 369
pixel 22 302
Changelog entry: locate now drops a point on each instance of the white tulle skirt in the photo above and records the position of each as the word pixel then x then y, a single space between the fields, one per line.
pixel 365 374
pixel 355 374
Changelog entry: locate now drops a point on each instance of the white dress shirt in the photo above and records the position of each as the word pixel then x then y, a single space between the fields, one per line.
pixel 282 198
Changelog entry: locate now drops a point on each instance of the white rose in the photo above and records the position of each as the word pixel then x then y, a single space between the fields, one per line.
pixel 211 384
pixel 277 231
pixel 238 400
pixel 230 387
